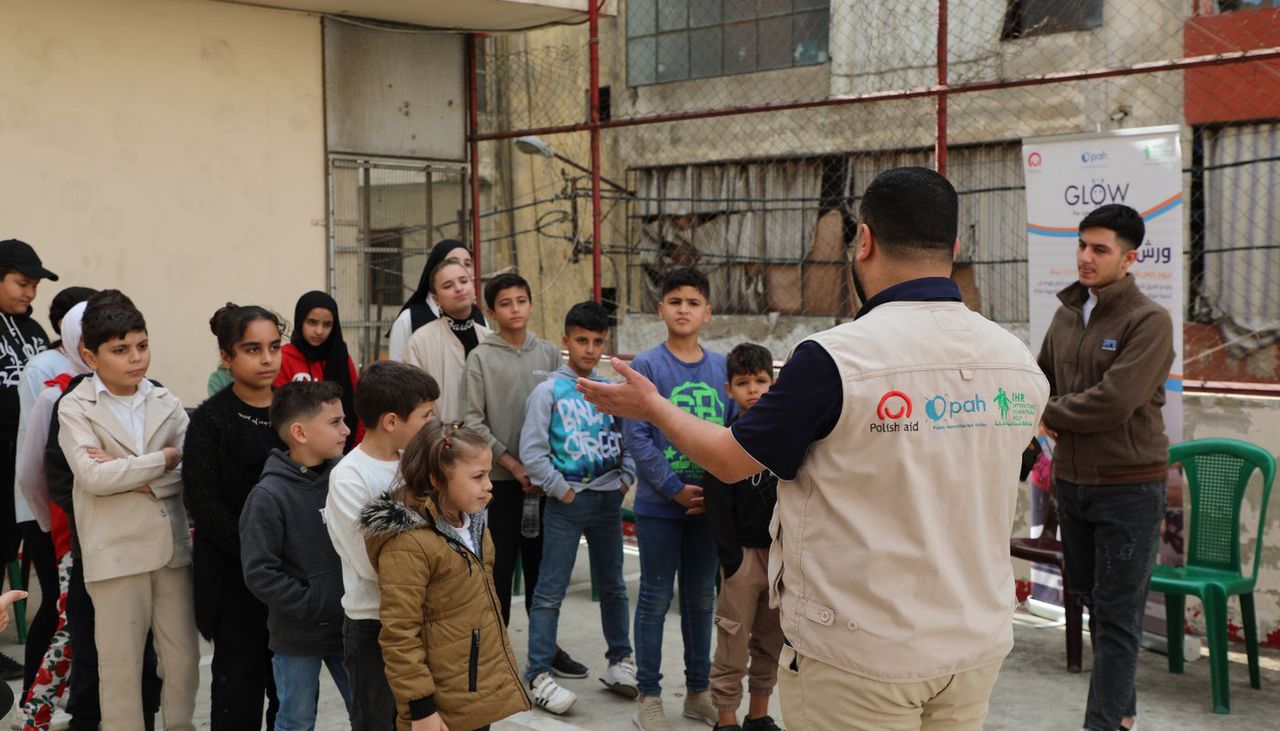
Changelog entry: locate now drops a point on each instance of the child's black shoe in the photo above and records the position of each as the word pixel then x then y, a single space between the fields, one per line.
pixel 764 723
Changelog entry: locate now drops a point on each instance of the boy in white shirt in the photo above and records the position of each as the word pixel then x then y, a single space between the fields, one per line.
pixel 394 401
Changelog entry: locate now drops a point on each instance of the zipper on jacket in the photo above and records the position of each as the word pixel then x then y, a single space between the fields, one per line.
pixel 474 666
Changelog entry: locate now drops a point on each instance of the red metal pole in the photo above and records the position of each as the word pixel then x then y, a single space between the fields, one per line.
pixel 940 143
pixel 1106 72
pixel 593 24
pixel 473 124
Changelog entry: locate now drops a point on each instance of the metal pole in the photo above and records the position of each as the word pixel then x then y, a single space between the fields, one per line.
pixel 940 142
pixel 473 123
pixel 1059 77
pixel 593 24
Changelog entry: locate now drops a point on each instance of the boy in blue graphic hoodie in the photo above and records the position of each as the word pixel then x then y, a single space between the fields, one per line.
pixel 574 453
pixel 672 531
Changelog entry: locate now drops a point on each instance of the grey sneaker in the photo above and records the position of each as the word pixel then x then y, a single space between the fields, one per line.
pixel 649 715
pixel 621 678
pixel 699 707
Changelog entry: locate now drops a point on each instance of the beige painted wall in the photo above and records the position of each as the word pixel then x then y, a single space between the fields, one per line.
pixel 171 148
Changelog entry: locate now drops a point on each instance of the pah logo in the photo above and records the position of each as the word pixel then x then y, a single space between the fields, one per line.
pixel 1091 157
pixel 894 405
pixel 943 407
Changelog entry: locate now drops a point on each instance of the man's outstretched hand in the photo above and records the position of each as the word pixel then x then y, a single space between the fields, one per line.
pixel 635 398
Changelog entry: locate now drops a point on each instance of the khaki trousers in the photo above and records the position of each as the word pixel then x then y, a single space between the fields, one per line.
pixel 746 628
pixel 820 697
pixel 127 608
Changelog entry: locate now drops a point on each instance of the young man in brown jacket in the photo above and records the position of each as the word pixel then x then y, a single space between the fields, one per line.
pixel 1107 355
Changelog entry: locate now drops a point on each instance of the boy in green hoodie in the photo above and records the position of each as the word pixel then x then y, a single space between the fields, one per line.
pixel 501 373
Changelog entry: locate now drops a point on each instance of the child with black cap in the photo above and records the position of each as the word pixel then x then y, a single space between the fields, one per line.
pixel 21 338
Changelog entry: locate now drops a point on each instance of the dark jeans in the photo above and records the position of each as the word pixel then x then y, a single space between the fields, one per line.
pixel 9 536
pixel 83 703
pixel 598 516
pixel 504 525
pixel 241 668
pixel 1110 536
pixel 37 547
pixel 669 547
pixel 373 707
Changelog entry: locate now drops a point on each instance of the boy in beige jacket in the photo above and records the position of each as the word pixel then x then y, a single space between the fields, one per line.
pixel 121 434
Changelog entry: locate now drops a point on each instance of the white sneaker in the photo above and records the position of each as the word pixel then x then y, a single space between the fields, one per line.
pixel 547 694
pixel 621 678
pixel 698 706
pixel 650 716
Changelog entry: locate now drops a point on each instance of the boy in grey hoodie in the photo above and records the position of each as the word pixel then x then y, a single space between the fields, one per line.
pixel 575 454
pixel 501 372
pixel 288 559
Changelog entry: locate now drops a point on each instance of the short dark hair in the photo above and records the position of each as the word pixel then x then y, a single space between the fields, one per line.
pixel 686 277
pixel 748 359
pixel 1123 220
pixel 587 315
pixel 108 315
pixel 298 400
pixel 63 302
pixel 912 211
pixel 506 280
pixel 231 320
pixel 390 387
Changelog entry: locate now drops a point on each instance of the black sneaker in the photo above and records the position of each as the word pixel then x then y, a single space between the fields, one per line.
pixel 566 667
pixel 10 669
pixel 764 723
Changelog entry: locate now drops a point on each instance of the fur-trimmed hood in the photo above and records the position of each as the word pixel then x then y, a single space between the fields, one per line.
pixel 388 516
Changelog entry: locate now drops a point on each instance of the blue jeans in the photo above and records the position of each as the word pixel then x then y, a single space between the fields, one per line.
pixel 1110 536
pixel 598 515
pixel 298 687
pixel 668 546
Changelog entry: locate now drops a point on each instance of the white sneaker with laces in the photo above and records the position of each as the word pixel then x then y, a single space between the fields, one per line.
pixel 548 695
pixel 650 716
pixel 621 678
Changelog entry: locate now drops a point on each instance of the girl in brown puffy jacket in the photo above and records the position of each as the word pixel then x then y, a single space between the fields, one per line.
pixel 448 657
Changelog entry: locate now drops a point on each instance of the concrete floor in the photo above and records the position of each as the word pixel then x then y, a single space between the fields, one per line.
pixel 1034 691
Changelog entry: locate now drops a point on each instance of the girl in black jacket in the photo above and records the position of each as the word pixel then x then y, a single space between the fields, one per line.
pixel 227 444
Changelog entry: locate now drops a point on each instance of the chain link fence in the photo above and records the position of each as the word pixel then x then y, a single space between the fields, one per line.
pixel 738 135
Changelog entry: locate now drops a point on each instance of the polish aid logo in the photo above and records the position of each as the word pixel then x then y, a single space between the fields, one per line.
pixel 894 405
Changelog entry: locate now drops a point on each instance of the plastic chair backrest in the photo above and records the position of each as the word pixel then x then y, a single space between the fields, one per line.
pixel 1218 472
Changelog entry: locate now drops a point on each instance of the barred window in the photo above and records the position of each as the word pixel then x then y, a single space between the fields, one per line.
pixel 676 40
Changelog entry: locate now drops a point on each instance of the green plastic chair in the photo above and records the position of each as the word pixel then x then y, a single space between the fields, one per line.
pixel 1217 473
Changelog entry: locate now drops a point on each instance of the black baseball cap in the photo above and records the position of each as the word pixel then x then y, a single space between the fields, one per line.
pixel 15 254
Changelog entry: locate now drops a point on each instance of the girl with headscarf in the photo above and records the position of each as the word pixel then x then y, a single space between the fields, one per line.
pixel 48 653
pixel 317 352
pixel 422 306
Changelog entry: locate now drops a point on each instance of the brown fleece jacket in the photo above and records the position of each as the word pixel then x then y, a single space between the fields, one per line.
pixel 1107 385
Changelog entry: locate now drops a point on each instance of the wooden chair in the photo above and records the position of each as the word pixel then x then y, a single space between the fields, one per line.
pixel 1047 549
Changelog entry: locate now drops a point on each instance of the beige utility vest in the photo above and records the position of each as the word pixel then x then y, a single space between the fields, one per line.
pixel 890 557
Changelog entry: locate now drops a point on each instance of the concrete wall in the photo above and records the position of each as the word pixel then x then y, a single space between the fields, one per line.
pixel 171 148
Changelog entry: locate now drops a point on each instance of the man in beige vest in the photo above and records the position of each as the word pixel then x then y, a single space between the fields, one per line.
pixel 898 439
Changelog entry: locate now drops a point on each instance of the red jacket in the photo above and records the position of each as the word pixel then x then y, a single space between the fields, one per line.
pixel 294 366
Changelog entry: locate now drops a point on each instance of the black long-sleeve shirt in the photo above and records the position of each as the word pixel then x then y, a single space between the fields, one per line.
pixel 227 445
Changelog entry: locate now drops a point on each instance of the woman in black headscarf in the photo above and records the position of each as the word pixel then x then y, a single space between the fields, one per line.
pixel 317 352
pixel 421 307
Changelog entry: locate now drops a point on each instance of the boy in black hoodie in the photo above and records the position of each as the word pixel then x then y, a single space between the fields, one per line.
pixel 289 562
pixel 21 337
pixel 739 515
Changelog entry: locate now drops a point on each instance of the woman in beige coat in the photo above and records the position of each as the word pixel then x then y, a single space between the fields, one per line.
pixel 447 653
pixel 441 346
